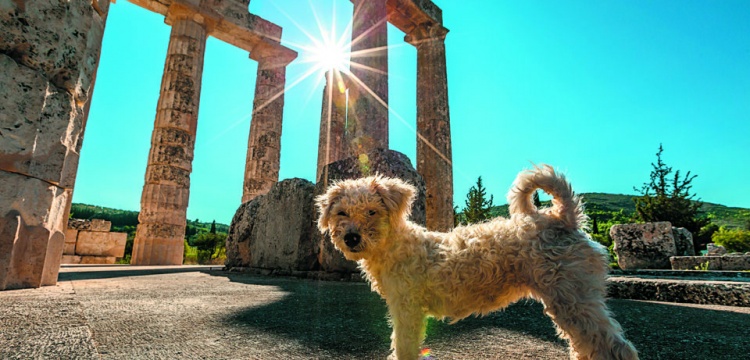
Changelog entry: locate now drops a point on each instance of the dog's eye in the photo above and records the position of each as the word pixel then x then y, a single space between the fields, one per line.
pixel 372 212
pixel 341 213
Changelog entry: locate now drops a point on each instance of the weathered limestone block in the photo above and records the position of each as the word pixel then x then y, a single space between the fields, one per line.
pixel 683 240
pixel 735 262
pixel 729 293
pixel 696 262
pixel 61 39
pixel 79 224
pixel 31 220
pixel 71 235
pixel 274 231
pixel 100 225
pixel 715 250
pixel 30 144
pixel 71 259
pixel 98 260
pixel 643 246
pixel 384 162
pixel 95 243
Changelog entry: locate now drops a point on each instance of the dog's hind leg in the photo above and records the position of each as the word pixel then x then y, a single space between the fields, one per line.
pixel 578 309
pixel 409 324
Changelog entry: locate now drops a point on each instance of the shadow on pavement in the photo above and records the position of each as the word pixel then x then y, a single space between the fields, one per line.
pixel 348 319
pixel 118 271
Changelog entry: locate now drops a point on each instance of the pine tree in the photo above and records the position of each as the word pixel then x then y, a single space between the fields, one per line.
pixel 213 227
pixel 537 202
pixel 477 206
pixel 667 198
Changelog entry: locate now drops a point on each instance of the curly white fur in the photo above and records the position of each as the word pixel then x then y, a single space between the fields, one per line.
pixel 541 254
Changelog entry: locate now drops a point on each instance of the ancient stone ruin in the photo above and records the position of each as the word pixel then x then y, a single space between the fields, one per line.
pixel 661 246
pixel 649 245
pixel 277 232
pixel 49 54
pixel 366 127
pixel 91 242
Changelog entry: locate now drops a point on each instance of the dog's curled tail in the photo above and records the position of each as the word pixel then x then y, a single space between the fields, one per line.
pixel 566 206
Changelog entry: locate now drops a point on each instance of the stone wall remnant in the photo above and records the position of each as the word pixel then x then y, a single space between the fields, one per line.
pixel 91 242
pixel 643 246
pixel 730 262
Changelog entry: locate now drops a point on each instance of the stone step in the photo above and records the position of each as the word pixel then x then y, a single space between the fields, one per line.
pixel 711 289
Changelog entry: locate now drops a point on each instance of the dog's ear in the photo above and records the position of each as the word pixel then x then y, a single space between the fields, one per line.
pixel 324 204
pixel 397 195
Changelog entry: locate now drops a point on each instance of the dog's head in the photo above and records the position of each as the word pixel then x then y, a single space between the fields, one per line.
pixel 359 213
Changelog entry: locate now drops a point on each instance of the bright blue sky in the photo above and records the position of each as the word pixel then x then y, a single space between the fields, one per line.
pixel 590 87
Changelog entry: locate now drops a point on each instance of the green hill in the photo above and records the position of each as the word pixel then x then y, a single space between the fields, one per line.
pixel 126 221
pixel 605 205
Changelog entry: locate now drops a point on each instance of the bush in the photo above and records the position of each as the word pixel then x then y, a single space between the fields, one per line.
pixel 734 240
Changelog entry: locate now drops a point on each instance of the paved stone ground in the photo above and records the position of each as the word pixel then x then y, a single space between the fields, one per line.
pixel 122 312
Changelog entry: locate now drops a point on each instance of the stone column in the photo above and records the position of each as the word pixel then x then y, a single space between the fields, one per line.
pixel 368 122
pixel 264 141
pixel 434 154
pixel 160 236
pixel 331 144
pixel 48 53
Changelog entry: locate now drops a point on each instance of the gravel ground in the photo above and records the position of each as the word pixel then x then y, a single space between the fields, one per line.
pixel 194 313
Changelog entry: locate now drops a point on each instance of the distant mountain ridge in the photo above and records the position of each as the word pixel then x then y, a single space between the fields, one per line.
pixel 720 215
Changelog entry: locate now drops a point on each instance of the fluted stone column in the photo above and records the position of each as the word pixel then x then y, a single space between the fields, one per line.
pixel 264 142
pixel 434 154
pixel 331 144
pixel 368 122
pixel 160 236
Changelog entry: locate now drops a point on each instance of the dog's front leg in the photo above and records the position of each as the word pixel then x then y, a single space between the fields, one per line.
pixel 408 329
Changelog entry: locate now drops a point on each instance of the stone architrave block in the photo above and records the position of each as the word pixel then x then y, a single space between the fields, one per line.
pixel 95 243
pixel 274 231
pixel 71 235
pixel 643 246
pixel 108 260
pixel 683 240
pixel 384 162
pixel 71 259
pixel 100 225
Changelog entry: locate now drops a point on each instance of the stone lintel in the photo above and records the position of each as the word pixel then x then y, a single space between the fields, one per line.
pixel 408 14
pixel 271 55
pixel 422 33
pixel 226 20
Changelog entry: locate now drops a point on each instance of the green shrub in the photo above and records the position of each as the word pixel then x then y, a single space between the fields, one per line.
pixel 734 240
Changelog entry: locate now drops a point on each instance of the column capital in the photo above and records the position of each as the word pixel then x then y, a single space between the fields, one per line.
pixel 426 32
pixel 270 55
pixel 179 11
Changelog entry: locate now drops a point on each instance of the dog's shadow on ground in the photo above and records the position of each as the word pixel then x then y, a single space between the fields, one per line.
pixel 347 319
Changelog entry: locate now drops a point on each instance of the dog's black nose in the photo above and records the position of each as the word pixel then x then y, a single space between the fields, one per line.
pixel 352 239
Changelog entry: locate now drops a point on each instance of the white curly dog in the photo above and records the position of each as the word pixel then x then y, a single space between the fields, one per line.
pixel 537 253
